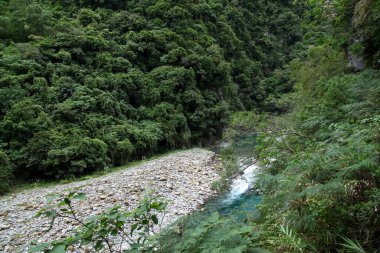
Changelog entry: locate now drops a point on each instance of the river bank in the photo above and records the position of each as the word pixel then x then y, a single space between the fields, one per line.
pixel 184 179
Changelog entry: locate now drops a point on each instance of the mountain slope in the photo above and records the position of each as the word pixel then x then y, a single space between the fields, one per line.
pixel 87 84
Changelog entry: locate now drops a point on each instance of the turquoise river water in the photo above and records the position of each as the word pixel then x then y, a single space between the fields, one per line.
pixel 240 200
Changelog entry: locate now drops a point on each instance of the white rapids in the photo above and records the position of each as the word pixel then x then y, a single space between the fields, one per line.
pixel 242 184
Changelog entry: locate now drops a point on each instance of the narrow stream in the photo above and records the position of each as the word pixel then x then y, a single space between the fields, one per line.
pixel 236 206
pixel 240 200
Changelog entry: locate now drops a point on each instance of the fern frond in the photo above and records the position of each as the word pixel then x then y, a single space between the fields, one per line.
pixel 292 238
pixel 353 246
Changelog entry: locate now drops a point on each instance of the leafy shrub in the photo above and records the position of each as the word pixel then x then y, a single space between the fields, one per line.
pixel 228 170
pixel 111 230
pixel 5 172
pixel 60 152
pixel 322 179
pixel 206 233
pixel 242 123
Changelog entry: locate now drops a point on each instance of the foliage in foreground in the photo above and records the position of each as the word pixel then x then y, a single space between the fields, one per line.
pixel 321 167
pixel 322 173
pixel 116 230
pixel 120 231
pixel 206 232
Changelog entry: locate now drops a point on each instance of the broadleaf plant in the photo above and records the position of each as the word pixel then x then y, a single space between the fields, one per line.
pixel 115 230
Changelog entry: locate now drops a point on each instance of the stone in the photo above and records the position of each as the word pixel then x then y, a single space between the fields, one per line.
pixel 4 213
pixel 3 227
pixel 173 177
pixel 356 62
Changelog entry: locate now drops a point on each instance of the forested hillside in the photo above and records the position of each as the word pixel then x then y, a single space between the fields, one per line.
pixel 90 84
pixel 86 85
pixel 321 179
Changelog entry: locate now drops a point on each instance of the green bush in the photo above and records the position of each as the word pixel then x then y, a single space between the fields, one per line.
pixel 228 171
pixel 59 153
pixel 113 230
pixel 203 232
pixel 5 173
pixel 242 123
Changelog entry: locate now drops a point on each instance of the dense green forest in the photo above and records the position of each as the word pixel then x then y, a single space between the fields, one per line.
pixel 90 84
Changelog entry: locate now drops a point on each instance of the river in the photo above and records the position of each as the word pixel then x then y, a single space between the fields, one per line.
pixel 240 200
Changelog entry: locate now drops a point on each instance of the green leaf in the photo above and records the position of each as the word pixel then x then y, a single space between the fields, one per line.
pixel 99 245
pixel 112 216
pixel 40 212
pixel 122 218
pixel 154 219
pixel 92 218
pixel 67 201
pixel 114 232
pixel 352 245
pixel 59 248
pixel 80 196
pixel 214 217
pixel 51 214
pixel 136 245
pixel 159 206
pixel 245 230
pixel 50 198
pixel 64 202
pixel 133 228
pixel 257 250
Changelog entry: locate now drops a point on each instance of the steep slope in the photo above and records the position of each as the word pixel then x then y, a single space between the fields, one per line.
pixel 86 84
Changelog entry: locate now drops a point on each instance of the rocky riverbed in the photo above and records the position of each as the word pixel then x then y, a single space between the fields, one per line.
pixel 183 178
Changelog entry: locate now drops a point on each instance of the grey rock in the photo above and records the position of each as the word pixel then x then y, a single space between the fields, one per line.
pixel 356 62
pixel 185 188
pixel 3 227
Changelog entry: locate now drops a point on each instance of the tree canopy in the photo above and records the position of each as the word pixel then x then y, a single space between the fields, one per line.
pixel 89 84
